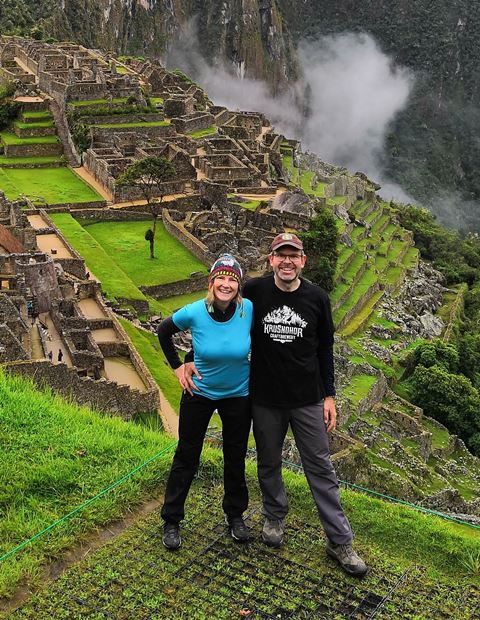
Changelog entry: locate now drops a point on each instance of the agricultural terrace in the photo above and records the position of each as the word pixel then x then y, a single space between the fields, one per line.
pixel 303 179
pixel 50 185
pixel 125 243
pixel 60 456
pixel 115 282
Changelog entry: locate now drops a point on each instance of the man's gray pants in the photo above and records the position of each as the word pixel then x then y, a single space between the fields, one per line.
pixel 270 427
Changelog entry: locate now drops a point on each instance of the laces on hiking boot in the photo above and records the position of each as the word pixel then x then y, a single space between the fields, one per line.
pixel 238 528
pixel 171 536
pixel 348 559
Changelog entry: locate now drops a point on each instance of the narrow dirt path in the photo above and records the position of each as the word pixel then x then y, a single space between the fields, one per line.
pixel 91 180
pixel 168 415
pixel 169 198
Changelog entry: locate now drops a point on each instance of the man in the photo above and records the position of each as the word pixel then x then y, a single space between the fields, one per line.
pixel 292 383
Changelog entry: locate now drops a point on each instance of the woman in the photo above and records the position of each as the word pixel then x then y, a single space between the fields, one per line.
pixel 220 327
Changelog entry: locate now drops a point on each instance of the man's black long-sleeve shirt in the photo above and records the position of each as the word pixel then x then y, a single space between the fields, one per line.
pixel 292 344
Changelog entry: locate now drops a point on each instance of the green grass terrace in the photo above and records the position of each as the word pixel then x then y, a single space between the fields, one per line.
pixel 201 133
pixel 125 243
pixel 11 139
pixel 115 282
pixel 44 161
pixel 46 185
pixel 137 124
pixel 102 102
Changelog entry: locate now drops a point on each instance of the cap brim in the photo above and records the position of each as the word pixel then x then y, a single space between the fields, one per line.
pixel 291 244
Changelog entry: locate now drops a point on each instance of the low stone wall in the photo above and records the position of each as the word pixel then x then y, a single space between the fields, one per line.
pixel 100 134
pixel 112 215
pixel 100 395
pixel 181 287
pixel 66 206
pixel 114 349
pixel 185 125
pixel 140 305
pixel 375 395
pixel 255 190
pixel 125 118
pixel 128 193
pixel 196 247
pixel 33 150
pixel 55 164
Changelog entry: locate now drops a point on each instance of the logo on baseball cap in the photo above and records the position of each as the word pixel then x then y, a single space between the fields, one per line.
pixel 286 239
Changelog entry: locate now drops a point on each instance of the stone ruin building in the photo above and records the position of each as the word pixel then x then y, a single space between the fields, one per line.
pixel 55 326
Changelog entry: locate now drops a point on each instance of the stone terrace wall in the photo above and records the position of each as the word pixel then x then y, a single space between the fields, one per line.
pixel 113 215
pixel 101 395
pixel 196 247
pixel 191 285
pixel 102 135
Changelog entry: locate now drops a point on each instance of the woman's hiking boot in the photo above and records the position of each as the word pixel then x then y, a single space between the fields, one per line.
pixel 238 529
pixel 171 536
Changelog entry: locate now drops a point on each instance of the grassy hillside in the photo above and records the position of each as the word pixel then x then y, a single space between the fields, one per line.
pixel 58 456
pixel 54 457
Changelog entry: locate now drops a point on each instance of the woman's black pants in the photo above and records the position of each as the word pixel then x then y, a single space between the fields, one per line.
pixel 195 414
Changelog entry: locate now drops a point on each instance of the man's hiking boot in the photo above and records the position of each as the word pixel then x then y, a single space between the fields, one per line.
pixel 348 559
pixel 238 529
pixel 272 533
pixel 171 536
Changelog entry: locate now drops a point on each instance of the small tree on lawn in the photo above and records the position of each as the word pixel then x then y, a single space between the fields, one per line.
pixel 148 175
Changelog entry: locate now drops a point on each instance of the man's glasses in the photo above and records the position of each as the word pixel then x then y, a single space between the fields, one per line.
pixel 295 258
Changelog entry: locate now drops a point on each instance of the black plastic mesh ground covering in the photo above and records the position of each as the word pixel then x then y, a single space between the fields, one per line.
pixel 212 577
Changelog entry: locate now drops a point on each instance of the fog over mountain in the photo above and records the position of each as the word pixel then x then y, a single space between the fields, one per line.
pixel 342 108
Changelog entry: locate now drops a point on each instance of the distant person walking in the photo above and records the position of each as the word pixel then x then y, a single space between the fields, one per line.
pixel 292 384
pixel 60 355
pixel 220 327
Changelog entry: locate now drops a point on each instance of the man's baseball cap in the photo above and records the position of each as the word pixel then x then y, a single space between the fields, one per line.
pixel 286 239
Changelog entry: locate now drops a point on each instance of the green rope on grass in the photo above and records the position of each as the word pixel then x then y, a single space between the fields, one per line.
pixel 86 503
pixel 173 445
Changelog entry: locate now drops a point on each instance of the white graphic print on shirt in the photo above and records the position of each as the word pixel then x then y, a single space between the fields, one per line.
pixel 284 325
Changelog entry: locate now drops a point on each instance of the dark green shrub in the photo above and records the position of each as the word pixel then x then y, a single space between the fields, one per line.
pixel 320 245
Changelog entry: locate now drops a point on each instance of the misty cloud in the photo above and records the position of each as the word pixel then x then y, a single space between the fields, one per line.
pixel 354 92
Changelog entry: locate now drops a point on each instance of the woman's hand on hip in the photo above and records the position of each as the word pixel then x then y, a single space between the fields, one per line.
pixel 189 370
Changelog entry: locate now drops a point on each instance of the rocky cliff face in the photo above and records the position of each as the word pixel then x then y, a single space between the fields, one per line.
pixel 247 35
